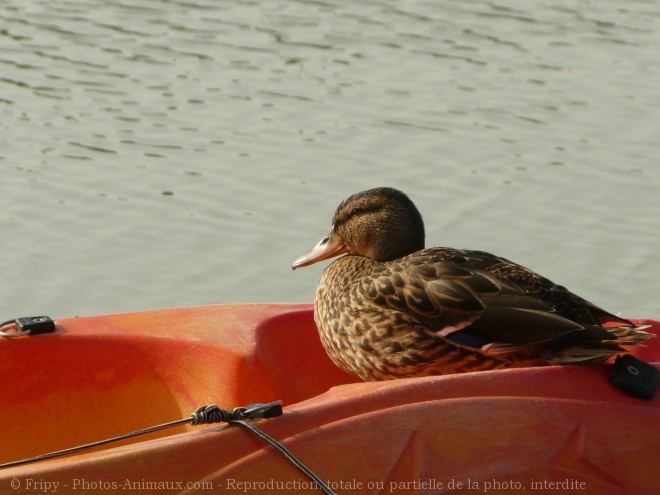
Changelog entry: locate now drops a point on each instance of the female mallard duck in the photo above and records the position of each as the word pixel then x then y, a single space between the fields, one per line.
pixel 391 309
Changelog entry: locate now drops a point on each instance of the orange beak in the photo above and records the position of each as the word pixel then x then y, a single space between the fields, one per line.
pixel 328 247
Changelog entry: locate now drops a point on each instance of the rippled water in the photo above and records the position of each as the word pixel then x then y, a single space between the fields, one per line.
pixel 168 153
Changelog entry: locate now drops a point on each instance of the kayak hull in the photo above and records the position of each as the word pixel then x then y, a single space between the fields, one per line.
pixel 542 429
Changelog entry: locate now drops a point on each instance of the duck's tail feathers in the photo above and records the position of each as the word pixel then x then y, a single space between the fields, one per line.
pixel 630 335
pixel 583 355
pixel 602 351
pixel 597 351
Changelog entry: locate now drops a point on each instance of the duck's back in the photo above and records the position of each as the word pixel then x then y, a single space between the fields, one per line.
pixel 562 301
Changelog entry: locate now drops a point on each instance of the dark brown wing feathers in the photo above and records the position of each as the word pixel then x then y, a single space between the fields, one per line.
pixel 486 296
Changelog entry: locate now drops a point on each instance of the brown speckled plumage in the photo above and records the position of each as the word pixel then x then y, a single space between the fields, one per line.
pixel 391 309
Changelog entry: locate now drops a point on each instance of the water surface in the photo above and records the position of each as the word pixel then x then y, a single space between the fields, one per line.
pixel 169 153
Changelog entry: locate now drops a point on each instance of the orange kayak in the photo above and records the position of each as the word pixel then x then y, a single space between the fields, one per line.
pixel 535 430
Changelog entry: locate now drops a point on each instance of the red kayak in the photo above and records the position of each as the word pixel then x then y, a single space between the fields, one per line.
pixel 535 430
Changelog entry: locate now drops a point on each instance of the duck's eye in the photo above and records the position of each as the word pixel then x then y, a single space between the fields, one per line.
pixel 355 211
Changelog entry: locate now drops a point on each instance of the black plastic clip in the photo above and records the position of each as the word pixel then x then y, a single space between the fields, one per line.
pixel 31 325
pixel 35 324
pixel 260 411
pixel 635 376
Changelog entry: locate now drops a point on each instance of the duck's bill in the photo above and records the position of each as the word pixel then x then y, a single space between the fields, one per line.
pixel 328 247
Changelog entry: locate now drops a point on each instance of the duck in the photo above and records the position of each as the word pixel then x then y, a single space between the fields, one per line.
pixel 390 308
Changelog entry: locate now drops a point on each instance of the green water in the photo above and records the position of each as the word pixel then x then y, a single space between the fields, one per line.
pixel 158 154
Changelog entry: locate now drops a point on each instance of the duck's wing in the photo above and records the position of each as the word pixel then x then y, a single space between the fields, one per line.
pixel 433 294
pixel 561 300
pixel 452 299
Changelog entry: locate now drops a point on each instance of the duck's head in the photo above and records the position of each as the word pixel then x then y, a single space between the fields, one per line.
pixel 381 223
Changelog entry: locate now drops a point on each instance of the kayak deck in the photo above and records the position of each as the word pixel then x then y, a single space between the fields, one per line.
pixel 102 376
pixel 141 369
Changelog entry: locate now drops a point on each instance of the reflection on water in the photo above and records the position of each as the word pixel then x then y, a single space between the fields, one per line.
pixel 170 153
